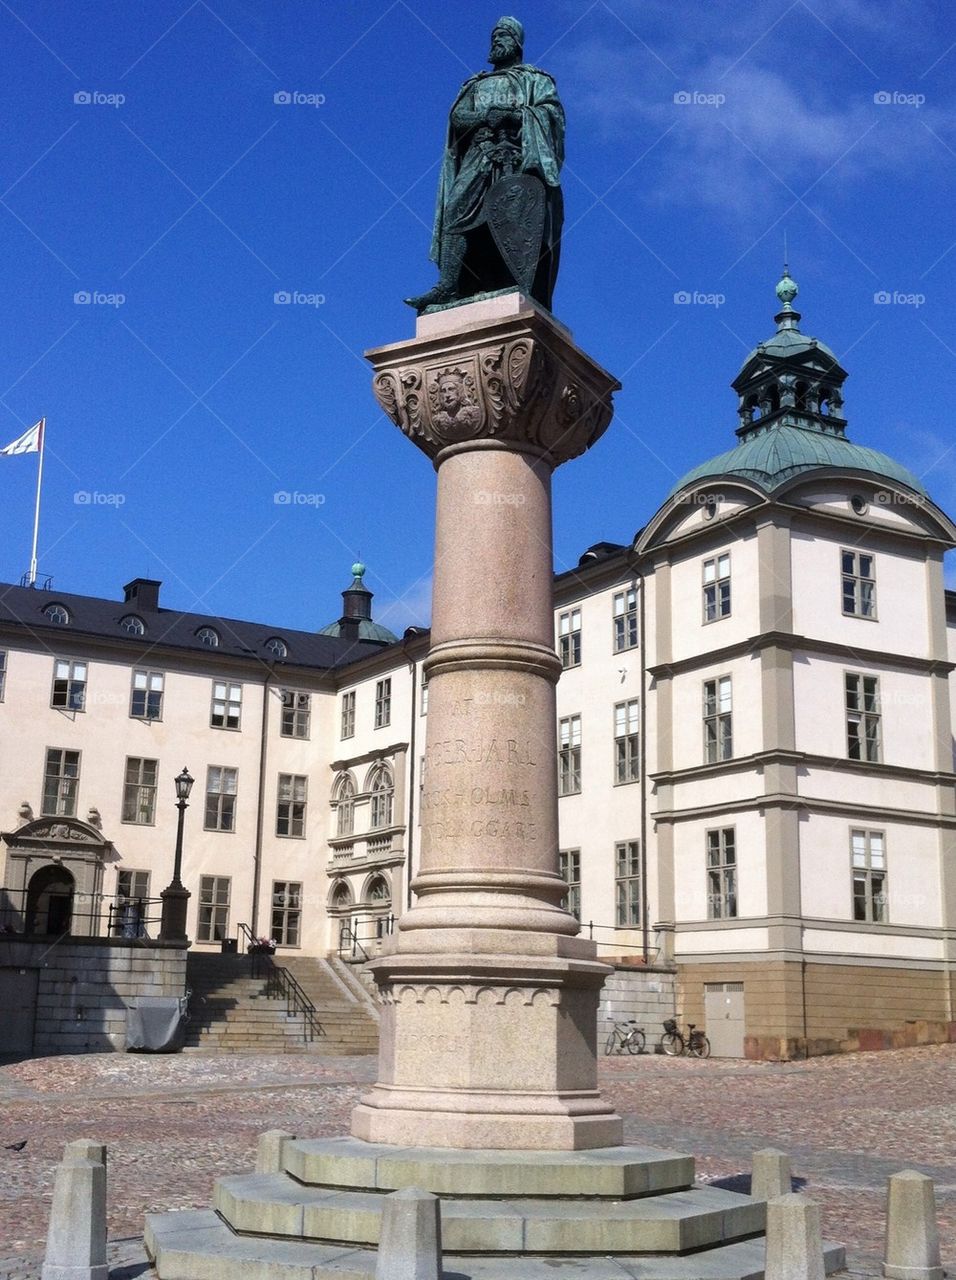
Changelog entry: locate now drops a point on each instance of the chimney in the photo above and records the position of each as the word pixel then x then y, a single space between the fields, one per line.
pixel 144 593
pixel 357 598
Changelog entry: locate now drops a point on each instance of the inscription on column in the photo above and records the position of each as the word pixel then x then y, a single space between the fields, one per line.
pixel 456 809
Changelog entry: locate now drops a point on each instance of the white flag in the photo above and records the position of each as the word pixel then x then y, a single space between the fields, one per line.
pixel 29 442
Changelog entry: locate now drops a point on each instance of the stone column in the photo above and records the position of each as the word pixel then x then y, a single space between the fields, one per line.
pixel 490 998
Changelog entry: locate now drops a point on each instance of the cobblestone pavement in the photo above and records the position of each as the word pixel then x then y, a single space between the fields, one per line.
pixel 174 1123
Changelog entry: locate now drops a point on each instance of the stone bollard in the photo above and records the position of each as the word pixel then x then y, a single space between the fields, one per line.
pixel 912 1237
pixel 794 1239
pixel 409 1245
pixel 270 1152
pixel 76 1241
pixel 771 1174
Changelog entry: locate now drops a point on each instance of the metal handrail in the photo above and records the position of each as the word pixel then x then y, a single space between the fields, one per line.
pixel 281 985
pixel 125 918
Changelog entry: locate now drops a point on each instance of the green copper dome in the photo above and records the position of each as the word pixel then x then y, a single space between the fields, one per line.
pixel 778 453
pixel 367 630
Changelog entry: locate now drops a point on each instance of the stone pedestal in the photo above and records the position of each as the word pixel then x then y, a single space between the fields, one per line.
pixel 490 999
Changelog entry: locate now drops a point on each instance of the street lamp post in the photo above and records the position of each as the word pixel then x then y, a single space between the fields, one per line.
pixel 176 896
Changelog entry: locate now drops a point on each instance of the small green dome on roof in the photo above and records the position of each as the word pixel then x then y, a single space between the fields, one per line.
pixel 787 288
pixel 358 569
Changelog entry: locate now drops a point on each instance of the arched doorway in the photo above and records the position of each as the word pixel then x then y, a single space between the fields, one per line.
pixel 50 901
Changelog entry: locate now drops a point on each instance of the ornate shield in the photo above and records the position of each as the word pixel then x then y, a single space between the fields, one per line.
pixel 514 212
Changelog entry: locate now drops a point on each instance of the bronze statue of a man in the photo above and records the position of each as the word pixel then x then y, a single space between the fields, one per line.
pixel 500 209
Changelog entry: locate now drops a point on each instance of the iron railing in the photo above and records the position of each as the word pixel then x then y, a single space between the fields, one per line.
pixel 57 914
pixel 281 984
pixel 359 935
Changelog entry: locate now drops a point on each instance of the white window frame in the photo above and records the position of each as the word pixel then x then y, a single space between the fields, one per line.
pixel 715 587
pixel 212 914
pixel 628 898
pixel 139 793
pixel 286 917
pixel 569 755
pixel 226 709
pixel 722 886
pixel 65 791
pixel 348 715
pixel 627 742
pixel 626 620
pixel 143 682
pixel 868 868
pixel 569 638
pixel 221 802
pixel 569 868
pixel 292 798
pixel 718 715
pixel 857 586
pixel 864 717
pixel 383 702
pixel 295 714
pixel 72 675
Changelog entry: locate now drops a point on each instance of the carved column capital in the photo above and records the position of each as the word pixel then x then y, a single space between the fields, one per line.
pixel 518 382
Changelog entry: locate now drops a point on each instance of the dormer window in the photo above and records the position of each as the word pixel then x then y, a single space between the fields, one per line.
pixel 278 648
pixel 208 636
pixel 57 614
pixel 135 626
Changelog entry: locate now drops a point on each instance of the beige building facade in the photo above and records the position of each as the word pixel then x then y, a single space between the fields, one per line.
pixel 754 750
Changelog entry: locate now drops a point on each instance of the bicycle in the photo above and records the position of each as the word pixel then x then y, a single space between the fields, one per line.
pixel 625 1035
pixel 674 1044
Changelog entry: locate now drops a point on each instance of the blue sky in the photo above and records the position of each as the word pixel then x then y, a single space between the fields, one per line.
pixel 186 407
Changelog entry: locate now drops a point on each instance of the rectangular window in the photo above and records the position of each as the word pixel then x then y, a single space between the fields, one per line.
pixel 139 791
pixel 718 720
pixel 569 638
pixel 296 714
pixel 424 697
pixel 226 705
pixel 69 685
pixel 286 912
pixel 722 874
pixel 868 859
pixel 222 785
pixel 348 714
pixel 290 806
pixel 3 673
pixel 627 883
pixel 625 619
pixel 717 587
pixel 569 867
pixel 569 756
pixel 61 781
pixel 383 703
pixel 627 760
pixel 130 908
pixel 859 584
pixel 213 921
pixel 146 695
pixel 862 717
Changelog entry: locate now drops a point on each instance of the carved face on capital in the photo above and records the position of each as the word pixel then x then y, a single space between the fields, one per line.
pixel 451 392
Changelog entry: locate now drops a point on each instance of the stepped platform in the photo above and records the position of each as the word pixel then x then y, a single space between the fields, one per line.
pixel 506 1215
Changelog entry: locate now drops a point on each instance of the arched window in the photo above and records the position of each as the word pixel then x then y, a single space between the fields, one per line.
pixel 773 397
pixel 135 626
pixel 208 636
pixel 753 405
pixel 382 789
pixel 341 897
pixel 378 894
pixel 57 614
pixel 343 801
pixel 801 398
pixel 278 648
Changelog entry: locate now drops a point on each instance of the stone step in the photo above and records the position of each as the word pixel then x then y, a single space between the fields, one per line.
pixel 274 1204
pixel 620 1172
pixel 198 1245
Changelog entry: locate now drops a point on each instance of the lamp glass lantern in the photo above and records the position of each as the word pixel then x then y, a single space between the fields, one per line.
pixel 184 784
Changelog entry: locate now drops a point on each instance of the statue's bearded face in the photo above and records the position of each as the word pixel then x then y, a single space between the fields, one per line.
pixel 504 47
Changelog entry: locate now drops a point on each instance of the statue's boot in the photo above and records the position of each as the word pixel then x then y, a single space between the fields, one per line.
pixel 446 290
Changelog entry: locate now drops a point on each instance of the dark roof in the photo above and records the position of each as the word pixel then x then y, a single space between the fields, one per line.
pixel 91 616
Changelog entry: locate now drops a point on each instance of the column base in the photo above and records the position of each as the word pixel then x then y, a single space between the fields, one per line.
pixel 506 1042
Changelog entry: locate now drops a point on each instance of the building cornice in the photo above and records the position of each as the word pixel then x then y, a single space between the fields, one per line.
pixel 789 802
pixel 793 643
pixel 933 932
pixel 377 753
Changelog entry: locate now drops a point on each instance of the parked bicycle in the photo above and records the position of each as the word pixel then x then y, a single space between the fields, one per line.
pixel 695 1045
pixel 626 1037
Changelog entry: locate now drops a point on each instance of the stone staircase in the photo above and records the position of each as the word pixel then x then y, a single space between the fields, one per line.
pixel 506 1215
pixel 232 1011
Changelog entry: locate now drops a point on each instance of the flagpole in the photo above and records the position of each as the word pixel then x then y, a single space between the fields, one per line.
pixel 36 513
